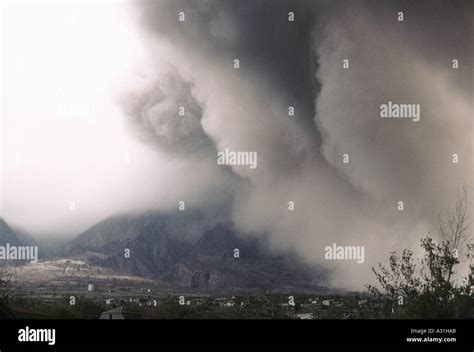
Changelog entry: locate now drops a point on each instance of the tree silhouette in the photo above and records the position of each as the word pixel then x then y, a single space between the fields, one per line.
pixel 428 289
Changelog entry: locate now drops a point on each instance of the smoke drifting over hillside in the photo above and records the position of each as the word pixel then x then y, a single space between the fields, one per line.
pixel 299 63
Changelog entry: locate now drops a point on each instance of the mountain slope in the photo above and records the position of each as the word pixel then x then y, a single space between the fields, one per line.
pixel 182 249
pixel 8 235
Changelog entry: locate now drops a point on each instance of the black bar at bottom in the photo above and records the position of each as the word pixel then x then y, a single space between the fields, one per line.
pixel 417 334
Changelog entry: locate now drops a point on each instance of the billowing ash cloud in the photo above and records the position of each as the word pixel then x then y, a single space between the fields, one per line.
pixel 405 62
pixel 299 64
pixel 156 108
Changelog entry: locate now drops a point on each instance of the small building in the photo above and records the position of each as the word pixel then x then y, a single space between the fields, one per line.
pixel 113 314
pixel 109 300
pixel 305 316
pixel 228 304
pixel 142 301
pixel 152 303
pixel 91 287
